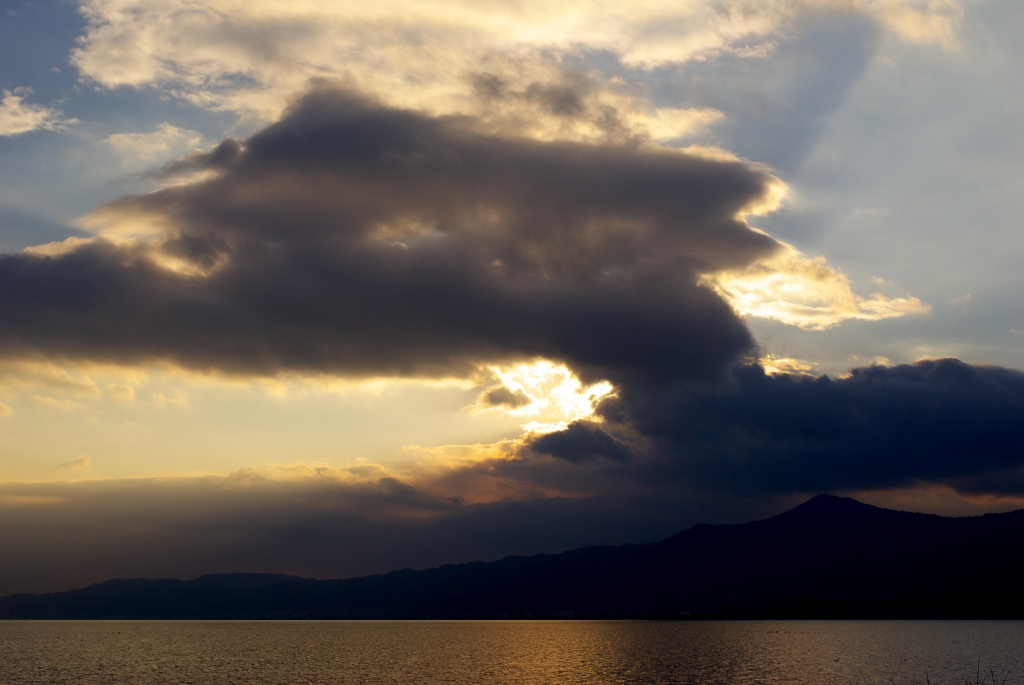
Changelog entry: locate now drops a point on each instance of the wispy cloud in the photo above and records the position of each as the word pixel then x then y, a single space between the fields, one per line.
pixel 120 392
pixel 18 116
pixel 55 404
pixel 80 462
pixel 933 22
pixel 165 143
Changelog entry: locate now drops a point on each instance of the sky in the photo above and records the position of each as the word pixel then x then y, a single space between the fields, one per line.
pixel 333 288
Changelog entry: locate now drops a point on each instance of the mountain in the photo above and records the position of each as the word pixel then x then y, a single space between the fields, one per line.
pixel 829 557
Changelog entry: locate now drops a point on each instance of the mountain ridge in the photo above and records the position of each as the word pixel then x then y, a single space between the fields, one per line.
pixel 828 557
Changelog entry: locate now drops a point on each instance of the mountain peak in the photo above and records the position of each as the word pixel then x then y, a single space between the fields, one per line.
pixel 829 505
pixel 824 500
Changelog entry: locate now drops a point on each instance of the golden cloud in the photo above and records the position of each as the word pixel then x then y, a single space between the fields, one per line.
pixel 775 364
pixel 805 292
pixel 252 57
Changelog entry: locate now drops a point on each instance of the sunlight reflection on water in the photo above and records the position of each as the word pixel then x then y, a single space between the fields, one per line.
pixel 457 652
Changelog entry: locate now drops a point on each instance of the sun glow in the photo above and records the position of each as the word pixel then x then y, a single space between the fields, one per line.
pixel 549 393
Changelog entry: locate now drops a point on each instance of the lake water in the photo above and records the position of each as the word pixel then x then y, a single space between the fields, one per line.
pixel 534 652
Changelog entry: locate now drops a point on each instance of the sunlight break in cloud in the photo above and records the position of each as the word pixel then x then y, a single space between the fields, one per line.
pixel 550 393
pixel 805 292
pixel 18 116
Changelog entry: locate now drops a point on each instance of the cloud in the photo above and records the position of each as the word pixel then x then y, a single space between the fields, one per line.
pixel 178 401
pixel 547 102
pixel 158 146
pixel 926 22
pixel 937 421
pixel 581 441
pixel 962 304
pixel 584 254
pixel 58 405
pixel 5 410
pixel 942 500
pixel 503 397
pixel 121 392
pixel 28 374
pixel 542 388
pixel 776 364
pixel 202 50
pixel 83 461
pixel 18 116
pixel 251 57
pixel 567 275
pixel 891 429
pixel 804 292
pixel 8 501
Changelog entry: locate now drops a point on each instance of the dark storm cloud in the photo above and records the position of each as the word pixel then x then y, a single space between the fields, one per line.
pixel 581 441
pixel 219 157
pixel 356 239
pixel 939 422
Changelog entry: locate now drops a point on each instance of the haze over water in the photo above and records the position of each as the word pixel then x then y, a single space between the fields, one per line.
pixel 509 652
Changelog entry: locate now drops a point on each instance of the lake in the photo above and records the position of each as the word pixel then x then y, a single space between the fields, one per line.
pixel 533 652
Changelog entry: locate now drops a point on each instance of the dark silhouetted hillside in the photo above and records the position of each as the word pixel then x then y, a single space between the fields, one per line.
pixel 830 557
